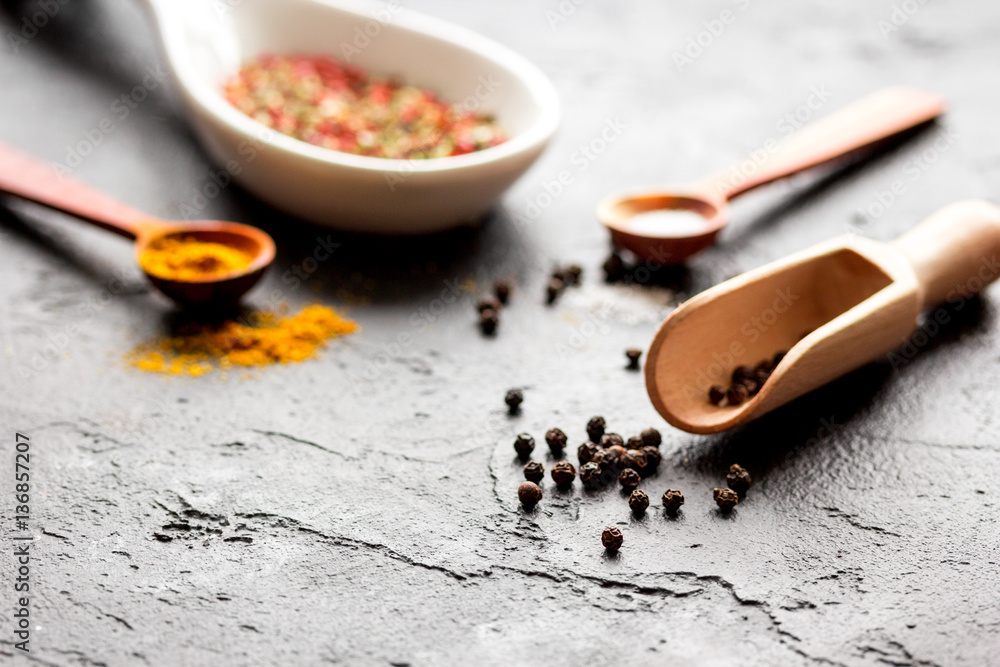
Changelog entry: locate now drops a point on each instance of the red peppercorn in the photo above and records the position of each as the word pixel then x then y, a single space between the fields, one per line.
pixel 529 494
pixel 612 539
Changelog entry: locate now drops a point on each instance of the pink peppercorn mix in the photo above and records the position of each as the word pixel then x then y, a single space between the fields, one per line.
pixel 326 103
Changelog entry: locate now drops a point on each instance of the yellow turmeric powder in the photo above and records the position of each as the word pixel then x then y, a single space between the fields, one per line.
pixel 187 258
pixel 270 340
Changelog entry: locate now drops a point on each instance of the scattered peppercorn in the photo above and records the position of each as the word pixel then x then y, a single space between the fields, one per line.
pixel 595 428
pixel 612 440
pixel 572 274
pixel 585 452
pixel 529 494
pixel 653 459
pixel 524 444
pixel 488 303
pixel 629 479
pixel 502 290
pixel 563 473
pixel 614 268
pixel 672 500
pixel 612 539
pixel 553 289
pixel 513 399
pixel 726 499
pixel 651 437
pixel 635 459
pixel 716 395
pixel 488 321
pixel 638 501
pixel 556 440
pixel 590 475
pixel 633 355
pixel 635 442
pixel 615 457
pixel 534 471
pixel 738 479
pixel 737 394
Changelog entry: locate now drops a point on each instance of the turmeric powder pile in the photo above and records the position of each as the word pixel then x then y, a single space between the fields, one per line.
pixel 187 258
pixel 269 340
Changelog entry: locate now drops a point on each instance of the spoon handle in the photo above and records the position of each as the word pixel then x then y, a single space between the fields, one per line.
pixel 30 178
pixel 956 251
pixel 865 122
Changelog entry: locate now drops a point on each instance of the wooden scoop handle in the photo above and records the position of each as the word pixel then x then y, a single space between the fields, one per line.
pixel 956 251
pixel 865 122
pixel 30 178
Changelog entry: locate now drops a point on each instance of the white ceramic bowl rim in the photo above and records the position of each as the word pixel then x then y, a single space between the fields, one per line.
pixel 213 102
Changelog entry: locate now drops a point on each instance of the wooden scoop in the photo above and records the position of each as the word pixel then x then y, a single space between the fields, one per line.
pixel 26 177
pixel 854 299
pixel 863 123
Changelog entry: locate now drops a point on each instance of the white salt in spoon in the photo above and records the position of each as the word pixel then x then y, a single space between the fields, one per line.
pixel 207 41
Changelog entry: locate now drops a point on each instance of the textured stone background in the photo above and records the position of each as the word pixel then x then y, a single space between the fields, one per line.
pixel 360 508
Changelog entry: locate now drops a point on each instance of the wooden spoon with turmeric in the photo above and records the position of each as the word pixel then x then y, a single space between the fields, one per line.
pixel 196 264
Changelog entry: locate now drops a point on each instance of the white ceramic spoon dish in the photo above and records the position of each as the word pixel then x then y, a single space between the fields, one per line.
pixel 206 42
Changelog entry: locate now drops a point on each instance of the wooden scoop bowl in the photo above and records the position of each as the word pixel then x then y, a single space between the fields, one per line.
pixel 863 123
pixel 31 179
pixel 853 299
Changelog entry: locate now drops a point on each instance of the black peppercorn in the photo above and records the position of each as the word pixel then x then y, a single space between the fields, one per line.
pixel 653 459
pixel 672 500
pixel 513 399
pixel 590 475
pixel 635 442
pixel 763 367
pixel 738 479
pixel 585 452
pixel 629 479
pixel 635 459
pixel 633 355
pixel 524 444
pixel 553 289
pixel 614 268
pixel 602 459
pixel 638 501
pixel 488 321
pixel 563 473
pixel 534 471
pixel 529 494
pixel 612 440
pixel 488 303
pixel 595 428
pixel 572 274
pixel 751 386
pixel 612 539
pixel 761 376
pixel 556 440
pixel 502 290
pixel 726 499
pixel 651 437
pixel 777 358
pixel 737 394
pixel 614 456
pixel 716 395
pixel 741 373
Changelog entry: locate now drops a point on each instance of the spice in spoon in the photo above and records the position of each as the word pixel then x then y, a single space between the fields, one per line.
pixel 188 259
pixel 319 100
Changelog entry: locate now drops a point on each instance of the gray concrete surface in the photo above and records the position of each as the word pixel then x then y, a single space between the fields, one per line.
pixel 360 508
